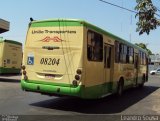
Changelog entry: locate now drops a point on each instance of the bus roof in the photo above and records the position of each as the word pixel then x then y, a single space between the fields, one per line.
pixel 79 22
pixel 10 41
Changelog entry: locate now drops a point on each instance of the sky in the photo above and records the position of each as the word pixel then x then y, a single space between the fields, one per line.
pixel 119 22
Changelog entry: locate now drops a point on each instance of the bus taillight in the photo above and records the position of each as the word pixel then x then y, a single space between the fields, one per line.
pixel 24 72
pixel 75 83
pixel 77 77
pixel 23 67
pixel 79 71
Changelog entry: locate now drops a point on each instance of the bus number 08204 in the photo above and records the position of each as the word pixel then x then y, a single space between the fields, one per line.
pixel 49 61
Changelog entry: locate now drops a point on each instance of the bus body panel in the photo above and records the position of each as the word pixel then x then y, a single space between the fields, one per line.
pixel 10 57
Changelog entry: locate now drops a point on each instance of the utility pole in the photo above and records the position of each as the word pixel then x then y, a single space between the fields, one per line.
pixel 130 34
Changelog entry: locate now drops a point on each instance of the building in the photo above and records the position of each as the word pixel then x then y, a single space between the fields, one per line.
pixel 4 26
pixel 154 61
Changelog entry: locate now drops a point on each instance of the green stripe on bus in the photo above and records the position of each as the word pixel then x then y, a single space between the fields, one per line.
pixel 11 41
pixel 55 23
pixel 97 91
pixel 9 70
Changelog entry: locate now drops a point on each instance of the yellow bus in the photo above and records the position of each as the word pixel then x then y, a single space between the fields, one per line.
pixel 10 56
pixel 75 58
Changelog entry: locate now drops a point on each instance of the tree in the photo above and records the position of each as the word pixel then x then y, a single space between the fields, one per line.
pixel 142 45
pixel 147 16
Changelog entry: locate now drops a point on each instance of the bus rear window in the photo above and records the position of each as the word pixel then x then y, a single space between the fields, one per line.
pixel 94 46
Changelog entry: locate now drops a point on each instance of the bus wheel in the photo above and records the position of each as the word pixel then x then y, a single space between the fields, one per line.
pixel 141 85
pixel 120 87
pixel 143 80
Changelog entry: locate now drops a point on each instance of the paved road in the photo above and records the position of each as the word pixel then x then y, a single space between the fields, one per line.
pixel 14 101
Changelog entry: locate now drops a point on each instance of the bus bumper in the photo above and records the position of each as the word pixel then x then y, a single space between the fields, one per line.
pixel 51 89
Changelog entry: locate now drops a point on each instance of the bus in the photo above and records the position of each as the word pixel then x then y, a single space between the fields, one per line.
pixel 10 56
pixel 71 57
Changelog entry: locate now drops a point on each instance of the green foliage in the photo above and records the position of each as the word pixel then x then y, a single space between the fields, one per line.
pixel 146 14
pixel 142 45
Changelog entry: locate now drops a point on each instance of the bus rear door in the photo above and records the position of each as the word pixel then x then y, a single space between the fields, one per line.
pixel 107 67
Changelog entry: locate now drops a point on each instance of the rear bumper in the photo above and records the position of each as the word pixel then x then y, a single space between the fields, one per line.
pixel 51 89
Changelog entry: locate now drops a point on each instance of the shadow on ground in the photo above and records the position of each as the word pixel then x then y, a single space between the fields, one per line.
pixel 109 105
pixel 9 80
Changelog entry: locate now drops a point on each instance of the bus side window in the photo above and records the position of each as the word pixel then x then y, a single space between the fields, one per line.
pixel 94 46
pixel 130 55
pixel 89 45
pixel 123 53
pixel 136 61
pixel 142 58
pixel 109 57
pixel 117 52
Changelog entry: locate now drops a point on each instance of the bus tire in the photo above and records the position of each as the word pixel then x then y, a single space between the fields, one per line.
pixel 143 81
pixel 120 87
pixel 146 78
